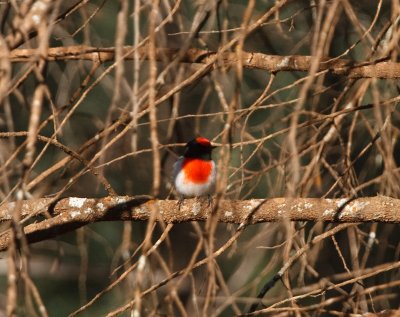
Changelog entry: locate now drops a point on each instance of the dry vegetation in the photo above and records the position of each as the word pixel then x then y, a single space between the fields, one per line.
pixel 98 98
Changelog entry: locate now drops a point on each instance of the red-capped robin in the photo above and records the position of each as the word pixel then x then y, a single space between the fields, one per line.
pixel 195 173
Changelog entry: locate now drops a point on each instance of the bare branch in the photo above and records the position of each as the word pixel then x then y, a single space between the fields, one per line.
pixel 71 213
pixel 271 63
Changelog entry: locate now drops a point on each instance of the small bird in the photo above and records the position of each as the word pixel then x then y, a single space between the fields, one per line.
pixel 195 173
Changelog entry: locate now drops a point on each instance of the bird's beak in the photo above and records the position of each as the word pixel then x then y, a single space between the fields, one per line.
pixel 213 147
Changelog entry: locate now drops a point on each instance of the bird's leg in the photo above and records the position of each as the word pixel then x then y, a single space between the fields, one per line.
pixel 180 202
pixel 210 200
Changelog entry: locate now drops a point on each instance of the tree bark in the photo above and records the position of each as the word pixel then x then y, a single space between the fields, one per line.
pixel 271 63
pixel 67 214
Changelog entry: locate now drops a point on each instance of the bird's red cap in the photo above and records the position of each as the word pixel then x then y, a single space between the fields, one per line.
pixel 203 141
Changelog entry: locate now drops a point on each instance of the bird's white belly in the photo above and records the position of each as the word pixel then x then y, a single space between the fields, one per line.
pixel 190 189
pixel 187 188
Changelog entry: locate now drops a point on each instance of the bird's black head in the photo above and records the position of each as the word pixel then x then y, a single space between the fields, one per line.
pixel 199 148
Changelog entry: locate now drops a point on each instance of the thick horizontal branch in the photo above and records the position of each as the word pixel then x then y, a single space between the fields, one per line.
pixel 68 214
pixel 272 63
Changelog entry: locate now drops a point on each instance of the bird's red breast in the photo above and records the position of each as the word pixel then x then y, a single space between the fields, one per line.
pixel 196 170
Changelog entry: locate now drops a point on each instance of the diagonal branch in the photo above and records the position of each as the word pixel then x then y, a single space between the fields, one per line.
pixel 271 63
pixel 68 214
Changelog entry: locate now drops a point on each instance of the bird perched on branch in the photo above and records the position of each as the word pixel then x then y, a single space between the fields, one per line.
pixel 195 173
